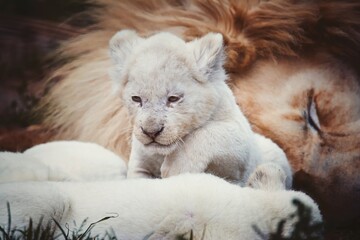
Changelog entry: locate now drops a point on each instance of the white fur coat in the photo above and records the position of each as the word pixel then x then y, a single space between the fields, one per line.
pixel 205 205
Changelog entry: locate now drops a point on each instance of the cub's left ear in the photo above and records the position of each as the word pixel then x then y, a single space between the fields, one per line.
pixel 209 56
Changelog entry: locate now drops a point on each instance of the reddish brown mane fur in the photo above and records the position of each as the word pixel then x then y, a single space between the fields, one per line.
pixel 252 29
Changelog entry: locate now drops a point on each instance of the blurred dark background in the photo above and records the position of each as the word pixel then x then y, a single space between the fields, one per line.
pixel 30 30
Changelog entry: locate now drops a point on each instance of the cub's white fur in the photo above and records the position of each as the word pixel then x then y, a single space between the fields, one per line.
pixel 158 208
pixel 62 161
pixel 185 116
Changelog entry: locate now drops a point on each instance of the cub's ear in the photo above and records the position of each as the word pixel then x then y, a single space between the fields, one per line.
pixel 209 56
pixel 122 44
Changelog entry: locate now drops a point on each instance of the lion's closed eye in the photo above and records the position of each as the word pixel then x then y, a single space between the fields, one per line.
pixel 310 114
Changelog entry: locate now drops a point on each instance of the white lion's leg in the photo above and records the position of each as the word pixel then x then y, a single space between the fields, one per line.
pixel 15 167
pixel 274 172
pixel 225 154
pixel 62 161
pixel 158 209
pixel 42 204
pixel 143 164
pixel 74 160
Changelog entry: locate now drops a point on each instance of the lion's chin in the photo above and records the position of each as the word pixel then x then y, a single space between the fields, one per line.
pixel 162 149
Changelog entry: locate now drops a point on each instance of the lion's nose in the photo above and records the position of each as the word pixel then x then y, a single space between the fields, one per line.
pixel 152 134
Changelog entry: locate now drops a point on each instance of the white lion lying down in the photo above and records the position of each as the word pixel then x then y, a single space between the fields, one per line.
pixel 201 204
pixel 164 208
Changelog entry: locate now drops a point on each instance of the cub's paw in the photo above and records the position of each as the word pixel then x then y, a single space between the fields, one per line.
pixel 268 176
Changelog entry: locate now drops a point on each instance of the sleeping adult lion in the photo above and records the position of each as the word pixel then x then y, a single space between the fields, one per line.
pixel 291 67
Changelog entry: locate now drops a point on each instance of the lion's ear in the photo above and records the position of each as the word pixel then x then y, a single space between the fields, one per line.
pixel 209 55
pixel 122 44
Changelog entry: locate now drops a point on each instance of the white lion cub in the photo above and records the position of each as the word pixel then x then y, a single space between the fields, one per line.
pixel 185 116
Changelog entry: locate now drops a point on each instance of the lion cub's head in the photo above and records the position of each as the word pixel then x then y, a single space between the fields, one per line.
pixel 169 86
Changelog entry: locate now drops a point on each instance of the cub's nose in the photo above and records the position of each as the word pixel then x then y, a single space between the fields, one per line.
pixel 152 134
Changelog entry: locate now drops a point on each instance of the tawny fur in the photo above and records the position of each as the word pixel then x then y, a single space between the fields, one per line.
pixel 298 35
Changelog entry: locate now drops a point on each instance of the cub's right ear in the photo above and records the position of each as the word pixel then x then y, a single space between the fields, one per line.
pixel 121 45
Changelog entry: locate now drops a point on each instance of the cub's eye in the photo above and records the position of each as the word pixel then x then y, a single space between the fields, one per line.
pixel 136 99
pixel 173 99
